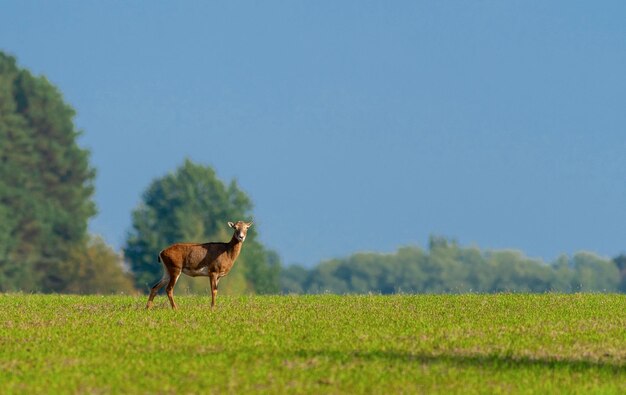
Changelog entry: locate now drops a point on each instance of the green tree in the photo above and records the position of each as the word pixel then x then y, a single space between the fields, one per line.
pixel 193 205
pixel 593 273
pixel 46 182
pixel 448 267
pixel 563 275
pixel 96 268
pixel 293 279
pixel 620 262
pixel 409 264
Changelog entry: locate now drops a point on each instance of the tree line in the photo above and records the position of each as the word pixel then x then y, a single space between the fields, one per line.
pixel 446 267
pixel 46 201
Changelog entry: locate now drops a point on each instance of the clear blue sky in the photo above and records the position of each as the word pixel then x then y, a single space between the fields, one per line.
pixel 353 125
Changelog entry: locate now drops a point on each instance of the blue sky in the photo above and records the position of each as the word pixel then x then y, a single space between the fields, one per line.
pixel 353 125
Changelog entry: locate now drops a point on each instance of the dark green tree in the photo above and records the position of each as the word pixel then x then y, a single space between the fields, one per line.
pixel 193 205
pixel 46 182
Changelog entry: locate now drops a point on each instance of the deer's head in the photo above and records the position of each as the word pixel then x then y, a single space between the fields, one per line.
pixel 241 229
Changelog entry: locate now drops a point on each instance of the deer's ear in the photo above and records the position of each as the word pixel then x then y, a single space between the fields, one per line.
pixel 249 224
pixel 232 225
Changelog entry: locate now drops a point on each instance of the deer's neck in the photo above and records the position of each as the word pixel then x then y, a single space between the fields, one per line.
pixel 234 248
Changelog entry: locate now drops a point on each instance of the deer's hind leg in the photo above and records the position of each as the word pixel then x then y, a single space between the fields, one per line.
pixel 156 287
pixel 174 274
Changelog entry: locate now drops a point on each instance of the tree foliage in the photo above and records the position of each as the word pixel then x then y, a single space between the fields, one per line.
pixel 46 182
pixel 193 205
pixel 620 262
pixel 96 268
pixel 449 268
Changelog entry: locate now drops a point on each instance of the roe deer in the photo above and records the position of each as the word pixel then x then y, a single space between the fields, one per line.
pixel 213 260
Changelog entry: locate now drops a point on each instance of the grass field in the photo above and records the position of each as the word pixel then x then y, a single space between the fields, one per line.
pixel 503 343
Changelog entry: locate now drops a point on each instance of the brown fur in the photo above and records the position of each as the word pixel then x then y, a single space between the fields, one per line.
pixel 213 260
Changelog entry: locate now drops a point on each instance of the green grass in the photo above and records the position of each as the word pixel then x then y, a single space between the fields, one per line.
pixel 503 343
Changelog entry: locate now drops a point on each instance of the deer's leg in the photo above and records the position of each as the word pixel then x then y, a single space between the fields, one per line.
pixel 156 287
pixel 170 287
pixel 213 290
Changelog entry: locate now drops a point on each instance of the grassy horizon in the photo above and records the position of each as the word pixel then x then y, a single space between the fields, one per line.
pixel 473 343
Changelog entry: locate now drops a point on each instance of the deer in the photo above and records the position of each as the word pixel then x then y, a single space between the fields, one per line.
pixel 213 260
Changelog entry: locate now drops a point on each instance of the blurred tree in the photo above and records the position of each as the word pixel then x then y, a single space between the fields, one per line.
pixel 97 268
pixel 447 267
pixel 193 205
pixel 513 272
pixel 563 275
pixel 324 278
pixel 409 264
pixel 46 182
pixel 593 273
pixel 293 279
pixel 620 262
